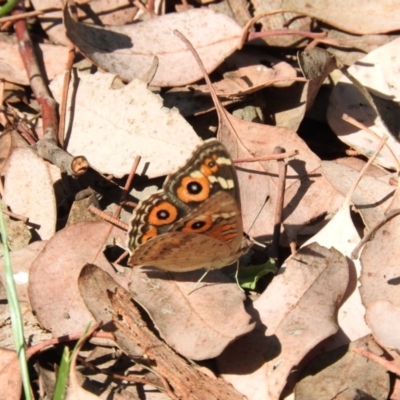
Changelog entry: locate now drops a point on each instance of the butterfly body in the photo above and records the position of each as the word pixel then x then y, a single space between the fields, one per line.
pixel 195 220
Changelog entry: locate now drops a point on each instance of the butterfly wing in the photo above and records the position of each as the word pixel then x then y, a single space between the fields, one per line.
pixel 180 252
pixel 209 237
pixel 195 220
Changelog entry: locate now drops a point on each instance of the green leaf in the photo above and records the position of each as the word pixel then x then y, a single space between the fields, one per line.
pixel 249 276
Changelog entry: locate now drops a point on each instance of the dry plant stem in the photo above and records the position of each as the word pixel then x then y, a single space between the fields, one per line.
pixel 3 119
pixel 30 351
pixel 30 14
pixel 364 169
pixel 140 6
pixel 47 147
pixel 223 119
pixel 64 98
pixel 282 168
pixel 186 382
pixel 359 125
pixel 285 32
pixel 128 378
pixel 389 365
pixel 108 217
pixel 121 257
pixel 246 34
pixel 280 156
pixel 128 185
pixel 355 253
pixel 16 216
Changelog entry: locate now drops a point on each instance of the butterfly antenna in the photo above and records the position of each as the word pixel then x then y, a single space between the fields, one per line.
pixel 251 226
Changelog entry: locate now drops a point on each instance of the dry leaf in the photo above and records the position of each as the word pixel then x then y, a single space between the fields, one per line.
pixel 10 381
pixel 115 12
pixel 295 313
pixel 371 197
pixel 213 315
pixel 12 67
pixel 323 378
pixel 378 71
pixel 58 306
pixel 358 17
pixel 307 194
pixel 29 192
pixel 129 50
pixel 380 277
pixel 138 124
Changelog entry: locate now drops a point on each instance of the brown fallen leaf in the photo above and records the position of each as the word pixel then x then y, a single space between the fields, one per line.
pixel 184 380
pixel 115 12
pixel 129 50
pixel 53 280
pixel 380 277
pixel 213 315
pixel 12 67
pixel 356 17
pixel 323 377
pixel 296 312
pixel 10 375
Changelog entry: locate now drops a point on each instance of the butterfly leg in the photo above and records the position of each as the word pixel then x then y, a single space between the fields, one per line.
pixel 197 283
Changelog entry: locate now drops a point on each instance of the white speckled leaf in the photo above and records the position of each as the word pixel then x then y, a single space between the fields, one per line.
pixel 28 190
pixel 112 126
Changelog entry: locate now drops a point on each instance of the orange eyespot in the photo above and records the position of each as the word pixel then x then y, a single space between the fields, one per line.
pixel 164 213
pixel 150 234
pixel 198 225
pixel 209 167
pixel 193 189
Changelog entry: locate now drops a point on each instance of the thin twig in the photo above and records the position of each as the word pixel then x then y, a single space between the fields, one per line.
pixel 355 253
pixel 107 217
pixel 359 125
pixel 388 365
pixel 282 168
pixel 127 186
pixel 280 156
pixel 64 97
pixel 47 146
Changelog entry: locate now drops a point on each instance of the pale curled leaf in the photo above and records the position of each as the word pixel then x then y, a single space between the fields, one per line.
pixel 129 50
pixel 115 12
pixel 296 312
pixel 213 315
pixel 380 316
pixel 371 197
pixel 28 190
pixel 378 72
pixel 131 121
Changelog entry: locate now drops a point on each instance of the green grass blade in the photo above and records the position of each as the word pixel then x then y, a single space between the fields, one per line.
pixel 62 376
pixel 15 310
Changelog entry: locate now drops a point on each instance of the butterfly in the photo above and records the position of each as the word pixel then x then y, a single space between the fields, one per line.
pixel 195 220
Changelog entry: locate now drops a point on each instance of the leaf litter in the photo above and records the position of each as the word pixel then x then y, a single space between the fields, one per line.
pixel 291 334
